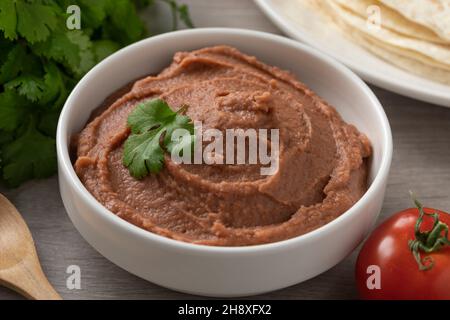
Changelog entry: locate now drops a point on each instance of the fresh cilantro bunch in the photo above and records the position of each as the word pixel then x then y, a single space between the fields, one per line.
pixel 40 62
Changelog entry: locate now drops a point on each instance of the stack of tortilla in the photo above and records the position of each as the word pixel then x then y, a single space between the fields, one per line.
pixel 412 34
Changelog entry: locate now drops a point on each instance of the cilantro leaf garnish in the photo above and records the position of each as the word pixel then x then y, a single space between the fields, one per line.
pixel 152 124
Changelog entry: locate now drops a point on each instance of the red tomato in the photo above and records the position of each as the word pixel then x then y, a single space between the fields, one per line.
pixel 386 267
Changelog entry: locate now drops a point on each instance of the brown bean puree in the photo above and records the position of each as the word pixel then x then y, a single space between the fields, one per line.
pixel 322 164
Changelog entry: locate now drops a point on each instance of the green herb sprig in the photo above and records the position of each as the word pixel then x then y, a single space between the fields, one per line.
pixel 41 60
pixel 152 124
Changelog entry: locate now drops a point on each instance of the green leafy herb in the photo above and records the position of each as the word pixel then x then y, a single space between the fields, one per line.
pixel 8 19
pixel 179 12
pixel 41 60
pixel 35 21
pixel 30 155
pixel 152 124
pixel 30 86
pixel 12 111
pixel 14 63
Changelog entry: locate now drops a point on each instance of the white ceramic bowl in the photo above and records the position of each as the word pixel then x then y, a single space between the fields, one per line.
pixel 225 271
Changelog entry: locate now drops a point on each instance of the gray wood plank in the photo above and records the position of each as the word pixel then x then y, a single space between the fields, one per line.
pixel 421 163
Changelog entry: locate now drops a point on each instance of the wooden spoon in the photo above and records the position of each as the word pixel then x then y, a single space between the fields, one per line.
pixel 20 269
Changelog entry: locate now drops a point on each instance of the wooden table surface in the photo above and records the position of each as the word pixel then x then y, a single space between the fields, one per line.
pixel 421 163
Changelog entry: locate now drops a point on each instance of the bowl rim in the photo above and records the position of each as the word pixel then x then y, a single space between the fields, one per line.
pixel 65 164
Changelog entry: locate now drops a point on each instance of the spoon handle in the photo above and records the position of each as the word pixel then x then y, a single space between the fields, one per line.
pixel 29 280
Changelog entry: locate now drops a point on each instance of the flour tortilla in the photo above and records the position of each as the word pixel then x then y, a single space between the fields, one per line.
pixel 433 14
pixel 392 20
pixel 384 51
pixel 434 55
pixel 403 62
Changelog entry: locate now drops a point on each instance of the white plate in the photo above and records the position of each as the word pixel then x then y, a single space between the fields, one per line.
pixel 306 25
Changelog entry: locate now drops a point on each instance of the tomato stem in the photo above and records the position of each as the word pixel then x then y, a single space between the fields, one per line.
pixel 428 241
